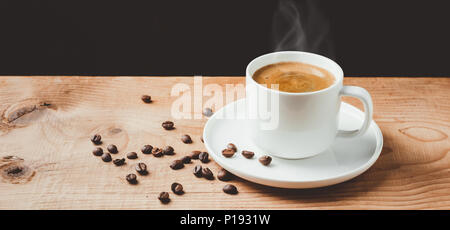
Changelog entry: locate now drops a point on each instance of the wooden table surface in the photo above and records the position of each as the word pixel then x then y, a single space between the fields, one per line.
pixel 47 122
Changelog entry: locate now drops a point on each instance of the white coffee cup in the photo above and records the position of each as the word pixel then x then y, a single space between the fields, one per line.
pixel 306 123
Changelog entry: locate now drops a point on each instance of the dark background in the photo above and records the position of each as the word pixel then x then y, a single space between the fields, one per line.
pixel 206 37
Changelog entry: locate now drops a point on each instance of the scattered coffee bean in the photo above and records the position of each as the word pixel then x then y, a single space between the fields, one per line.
pixel 157 152
pixel 186 139
pixel 207 112
pixel 194 154
pixel 119 162
pixel 106 157
pixel 112 149
pixel 146 149
pixel 186 159
pixel 201 139
pixel 177 188
pixel 176 164
pixel 207 173
pixel 232 147
pixel 97 151
pixel 204 157
pixel 96 139
pixel 146 98
pixel 132 155
pixel 265 160
pixel 141 168
pixel 228 153
pixel 198 171
pixel 247 154
pixel 168 125
pixel 164 197
pixel 224 175
pixel 168 150
pixel 131 178
pixel 230 189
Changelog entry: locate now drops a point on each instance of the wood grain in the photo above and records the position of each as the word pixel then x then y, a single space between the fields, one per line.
pixel 47 121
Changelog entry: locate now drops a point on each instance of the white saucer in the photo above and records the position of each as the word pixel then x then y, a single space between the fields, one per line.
pixel 345 159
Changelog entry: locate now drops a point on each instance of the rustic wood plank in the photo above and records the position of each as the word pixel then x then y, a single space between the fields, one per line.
pixel 47 122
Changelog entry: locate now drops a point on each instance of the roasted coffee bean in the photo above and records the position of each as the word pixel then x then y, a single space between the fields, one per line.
pixel 96 139
pixel 186 159
pixel 247 154
pixel 194 154
pixel 224 175
pixel 177 188
pixel 168 125
pixel 132 155
pixel 204 157
pixel 207 112
pixel 232 146
pixel 168 150
pixel 119 162
pixel 201 139
pixel 186 139
pixel 146 98
pixel 207 173
pixel 164 197
pixel 141 168
pixel 198 171
pixel 265 160
pixel 228 153
pixel 230 189
pixel 106 157
pixel 112 149
pixel 176 164
pixel 146 149
pixel 131 178
pixel 97 151
pixel 157 152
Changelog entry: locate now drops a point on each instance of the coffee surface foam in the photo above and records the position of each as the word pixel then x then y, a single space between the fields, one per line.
pixel 294 77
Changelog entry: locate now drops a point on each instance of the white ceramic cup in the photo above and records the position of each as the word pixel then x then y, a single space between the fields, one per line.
pixel 306 123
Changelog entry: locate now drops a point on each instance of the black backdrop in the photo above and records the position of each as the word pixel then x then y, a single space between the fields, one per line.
pixel 206 37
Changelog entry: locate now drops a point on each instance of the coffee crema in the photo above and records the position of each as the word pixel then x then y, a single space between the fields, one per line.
pixel 294 77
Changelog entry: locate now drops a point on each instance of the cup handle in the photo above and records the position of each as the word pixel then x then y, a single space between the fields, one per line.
pixel 364 97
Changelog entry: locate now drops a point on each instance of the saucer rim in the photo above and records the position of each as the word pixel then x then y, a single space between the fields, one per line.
pixel 283 183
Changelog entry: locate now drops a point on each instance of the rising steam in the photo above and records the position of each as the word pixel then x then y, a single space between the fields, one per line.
pixel 301 27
